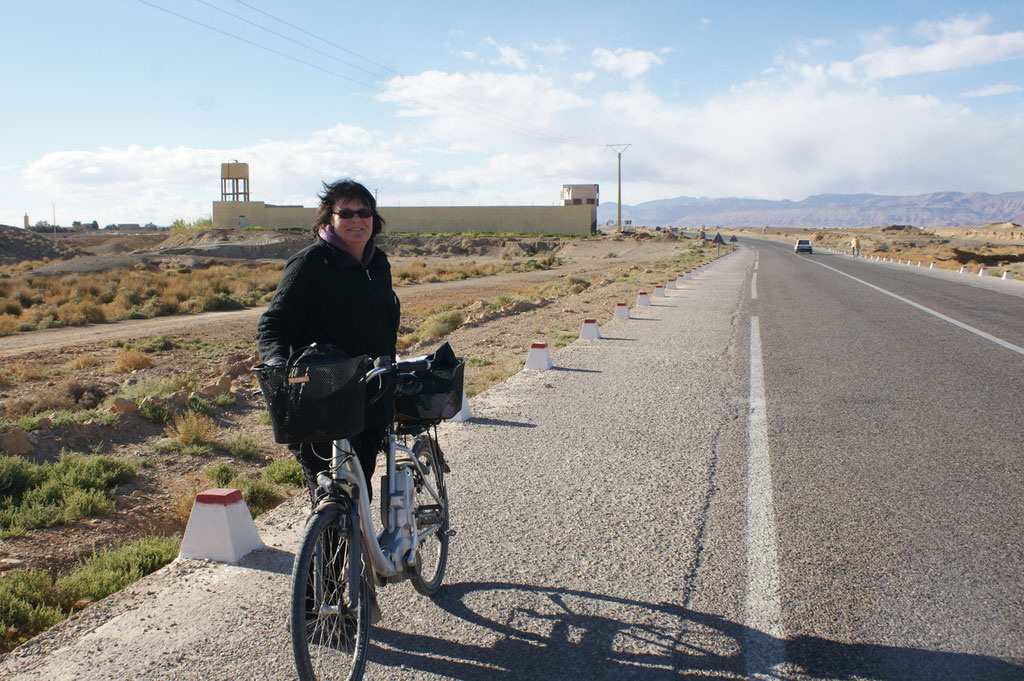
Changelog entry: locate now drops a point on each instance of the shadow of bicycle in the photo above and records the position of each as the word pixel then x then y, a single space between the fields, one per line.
pixel 530 632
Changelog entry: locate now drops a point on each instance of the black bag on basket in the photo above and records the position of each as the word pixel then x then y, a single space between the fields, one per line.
pixel 441 396
pixel 320 395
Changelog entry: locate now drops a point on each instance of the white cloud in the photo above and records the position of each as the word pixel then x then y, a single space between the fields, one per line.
pixel 510 56
pixel 961 27
pixel 465 109
pixel 583 77
pixel 555 49
pixel 993 90
pixel 160 184
pixel 957 44
pixel 625 60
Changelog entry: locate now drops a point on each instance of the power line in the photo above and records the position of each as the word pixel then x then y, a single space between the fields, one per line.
pixel 471 103
pixel 262 47
pixel 500 122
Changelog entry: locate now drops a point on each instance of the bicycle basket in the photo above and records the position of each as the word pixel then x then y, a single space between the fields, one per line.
pixel 440 399
pixel 315 402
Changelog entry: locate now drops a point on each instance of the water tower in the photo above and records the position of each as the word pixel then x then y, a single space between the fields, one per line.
pixel 234 181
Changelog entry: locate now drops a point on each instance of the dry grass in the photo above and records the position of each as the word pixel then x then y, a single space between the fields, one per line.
pixel 83 361
pixel 192 428
pixel 130 360
pixel 418 272
pixel 37 301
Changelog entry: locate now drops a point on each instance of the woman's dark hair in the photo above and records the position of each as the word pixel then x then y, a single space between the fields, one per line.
pixel 346 190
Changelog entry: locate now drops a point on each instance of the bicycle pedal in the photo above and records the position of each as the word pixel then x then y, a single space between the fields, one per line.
pixel 451 533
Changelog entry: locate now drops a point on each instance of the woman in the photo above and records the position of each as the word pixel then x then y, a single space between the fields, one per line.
pixel 337 290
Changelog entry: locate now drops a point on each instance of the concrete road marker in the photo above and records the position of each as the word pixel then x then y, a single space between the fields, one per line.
pixel 642 299
pixel 982 272
pixel 621 311
pixel 1007 275
pixel 589 330
pixel 659 291
pixel 220 528
pixel 465 413
pixel 539 358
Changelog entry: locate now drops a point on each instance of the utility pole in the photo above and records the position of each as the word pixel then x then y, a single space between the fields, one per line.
pixel 618 152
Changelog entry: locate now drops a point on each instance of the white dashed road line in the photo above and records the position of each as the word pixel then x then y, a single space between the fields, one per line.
pixel 764 647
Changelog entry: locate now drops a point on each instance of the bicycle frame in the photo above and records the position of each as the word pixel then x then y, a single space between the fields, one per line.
pixel 393 554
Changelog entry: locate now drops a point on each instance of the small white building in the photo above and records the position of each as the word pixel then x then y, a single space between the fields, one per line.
pixel 582 195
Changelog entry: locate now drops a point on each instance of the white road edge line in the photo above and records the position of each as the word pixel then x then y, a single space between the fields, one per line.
pixel 764 648
pixel 965 327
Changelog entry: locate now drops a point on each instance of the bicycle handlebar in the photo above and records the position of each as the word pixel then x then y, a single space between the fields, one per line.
pixel 386 365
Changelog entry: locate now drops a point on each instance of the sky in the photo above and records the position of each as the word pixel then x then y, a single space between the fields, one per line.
pixel 123 110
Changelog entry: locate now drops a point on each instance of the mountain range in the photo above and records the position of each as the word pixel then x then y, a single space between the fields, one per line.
pixel 939 209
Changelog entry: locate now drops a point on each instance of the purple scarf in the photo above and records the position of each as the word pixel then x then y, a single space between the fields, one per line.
pixel 327 234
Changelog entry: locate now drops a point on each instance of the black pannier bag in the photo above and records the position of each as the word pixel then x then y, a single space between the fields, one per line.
pixel 441 396
pixel 320 395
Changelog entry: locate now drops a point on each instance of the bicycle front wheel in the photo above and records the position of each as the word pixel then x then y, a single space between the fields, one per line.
pixel 431 514
pixel 330 606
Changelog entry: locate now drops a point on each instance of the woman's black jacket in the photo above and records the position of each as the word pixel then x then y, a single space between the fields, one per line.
pixel 327 296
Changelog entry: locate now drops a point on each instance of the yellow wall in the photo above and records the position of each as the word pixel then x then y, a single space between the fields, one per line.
pixel 259 214
pixel 422 219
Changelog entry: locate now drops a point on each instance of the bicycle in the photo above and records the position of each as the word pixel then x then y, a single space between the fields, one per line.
pixel 340 552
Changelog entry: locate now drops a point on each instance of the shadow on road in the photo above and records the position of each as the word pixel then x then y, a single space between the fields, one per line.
pixel 500 422
pixel 537 632
pixel 269 559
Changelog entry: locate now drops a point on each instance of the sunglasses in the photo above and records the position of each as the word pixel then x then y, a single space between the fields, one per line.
pixel 346 214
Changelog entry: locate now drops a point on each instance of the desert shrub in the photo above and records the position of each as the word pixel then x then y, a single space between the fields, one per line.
pixel 17 372
pixel 105 573
pixel 225 400
pixel 162 386
pixel 8 324
pixel 17 475
pixel 200 405
pixel 26 607
pixel 260 496
pixel 84 394
pixel 155 344
pixel 242 447
pixel 131 360
pixel 219 301
pixel 442 324
pixel 68 416
pixel 41 495
pixel 155 411
pixel 191 428
pixel 285 472
pixel 82 361
pixel 222 474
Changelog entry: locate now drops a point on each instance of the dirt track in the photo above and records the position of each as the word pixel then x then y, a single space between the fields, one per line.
pixel 586 260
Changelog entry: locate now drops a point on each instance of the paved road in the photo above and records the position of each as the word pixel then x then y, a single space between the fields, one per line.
pixel 819 482
pixel 896 443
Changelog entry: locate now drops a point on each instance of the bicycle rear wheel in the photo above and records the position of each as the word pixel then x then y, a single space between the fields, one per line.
pixel 330 601
pixel 432 554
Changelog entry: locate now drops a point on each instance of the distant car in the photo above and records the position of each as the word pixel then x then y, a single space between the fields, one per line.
pixel 803 246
